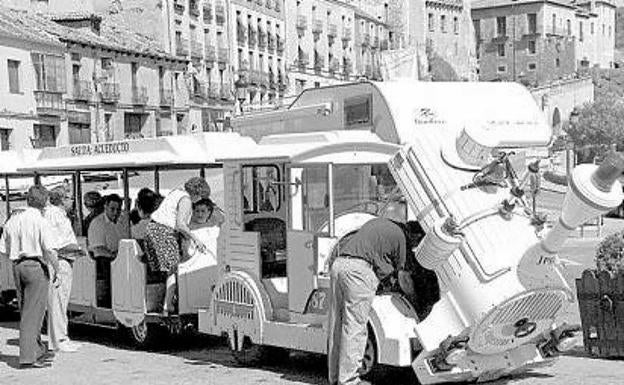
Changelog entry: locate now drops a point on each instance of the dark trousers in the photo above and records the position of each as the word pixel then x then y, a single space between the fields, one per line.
pixel 32 283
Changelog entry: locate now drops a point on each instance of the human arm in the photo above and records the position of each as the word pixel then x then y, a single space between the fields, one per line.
pixel 97 240
pixel 48 246
pixel 406 283
pixel 184 212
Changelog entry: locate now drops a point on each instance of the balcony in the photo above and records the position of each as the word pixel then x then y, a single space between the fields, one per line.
pixel 262 40
pixel 223 55
pixel 213 91
pixel 252 37
pixel 139 95
pixel 302 61
pixel 319 62
pixel 241 34
pixel 302 24
pixel 346 34
pixel 264 79
pixel 268 4
pixel 271 43
pixel 384 45
pixel 220 13
pixel 110 92
pixel 347 67
pixel 334 66
pixel 278 6
pixel 365 40
pixel 49 103
pixel 83 90
pixel 178 6
pixel 225 93
pixel 208 16
pixel 317 26
pixel 271 79
pixel 182 47
pixel 254 77
pixel 199 91
pixel 196 49
pixel 332 31
pixel 194 9
pixel 375 42
pixel 280 46
pixel 166 97
pixel 210 53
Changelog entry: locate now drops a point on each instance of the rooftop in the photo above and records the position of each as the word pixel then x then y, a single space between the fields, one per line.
pixel 114 34
pixel 482 4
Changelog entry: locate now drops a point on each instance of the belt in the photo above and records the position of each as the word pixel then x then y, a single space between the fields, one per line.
pixel 349 256
pixel 24 259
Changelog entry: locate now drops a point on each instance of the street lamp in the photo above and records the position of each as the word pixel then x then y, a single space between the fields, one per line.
pixel 241 92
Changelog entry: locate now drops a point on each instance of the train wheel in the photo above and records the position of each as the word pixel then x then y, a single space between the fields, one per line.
pixel 144 335
pixel 253 354
pixel 369 360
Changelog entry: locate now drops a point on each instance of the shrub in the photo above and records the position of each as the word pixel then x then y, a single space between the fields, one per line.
pixel 610 253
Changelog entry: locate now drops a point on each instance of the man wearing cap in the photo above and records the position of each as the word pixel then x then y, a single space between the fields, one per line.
pixel 28 242
pixel 374 253
pixel 61 202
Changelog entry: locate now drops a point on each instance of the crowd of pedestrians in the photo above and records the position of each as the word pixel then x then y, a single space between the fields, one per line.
pixel 40 241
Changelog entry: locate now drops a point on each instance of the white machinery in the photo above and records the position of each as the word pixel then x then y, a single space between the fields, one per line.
pixel 459 167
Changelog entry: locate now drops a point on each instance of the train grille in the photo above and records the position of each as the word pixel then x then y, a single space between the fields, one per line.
pixel 517 321
pixel 233 299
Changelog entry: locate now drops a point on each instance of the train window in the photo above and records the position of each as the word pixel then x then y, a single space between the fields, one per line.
pixel 316 198
pixel 358 111
pixel 261 191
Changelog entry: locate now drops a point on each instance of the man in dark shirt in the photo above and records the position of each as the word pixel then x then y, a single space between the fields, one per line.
pixel 374 253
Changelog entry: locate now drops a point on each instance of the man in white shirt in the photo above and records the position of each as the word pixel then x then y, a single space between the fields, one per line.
pixel 28 242
pixel 67 247
pixel 105 232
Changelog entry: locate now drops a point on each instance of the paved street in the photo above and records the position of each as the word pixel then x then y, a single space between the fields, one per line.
pixel 105 360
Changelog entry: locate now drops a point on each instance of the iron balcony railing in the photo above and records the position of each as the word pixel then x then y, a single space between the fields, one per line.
pixel 182 47
pixel 83 90
pixel 166 97
pixel 196 49
pixel 49 103
pixel 110 92
pixel 223 55
pixel 139 95
pixel 208 16
pixel 210 53
pixel 220 13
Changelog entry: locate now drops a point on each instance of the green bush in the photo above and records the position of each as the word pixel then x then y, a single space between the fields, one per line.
pixel 610 253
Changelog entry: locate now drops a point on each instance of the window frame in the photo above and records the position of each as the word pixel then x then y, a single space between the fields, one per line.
pixel 14 81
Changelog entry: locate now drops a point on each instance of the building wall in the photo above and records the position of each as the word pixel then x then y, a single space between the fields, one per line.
pixel 259 70
pixel 557 25
pixel 560 98
pixel 455 43
pixel 18 111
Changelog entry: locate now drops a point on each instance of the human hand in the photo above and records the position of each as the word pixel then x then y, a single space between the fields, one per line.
pixel 199 245
pixel 56 282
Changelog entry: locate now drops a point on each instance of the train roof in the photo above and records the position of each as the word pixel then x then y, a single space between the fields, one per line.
pixel 170 151
pixel 339 147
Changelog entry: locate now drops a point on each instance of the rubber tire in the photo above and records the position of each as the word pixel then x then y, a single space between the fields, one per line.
pixel 144 336
pixel 369 361
pixel 253 354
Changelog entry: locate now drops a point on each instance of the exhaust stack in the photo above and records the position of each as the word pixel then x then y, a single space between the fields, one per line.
pixel 592 191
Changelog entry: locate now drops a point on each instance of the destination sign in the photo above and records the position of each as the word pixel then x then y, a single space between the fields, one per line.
pixel 100 149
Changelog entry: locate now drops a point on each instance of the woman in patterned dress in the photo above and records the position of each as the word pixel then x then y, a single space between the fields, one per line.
pixel 169 223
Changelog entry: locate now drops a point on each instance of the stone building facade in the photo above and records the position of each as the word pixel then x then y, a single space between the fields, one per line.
pixel 257 32
pixel 334 41
pixel 537 42
pixel 440 31
pixel 80 80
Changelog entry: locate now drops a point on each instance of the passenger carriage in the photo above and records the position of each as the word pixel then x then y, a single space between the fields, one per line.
pixel 456 153
pixel 129 298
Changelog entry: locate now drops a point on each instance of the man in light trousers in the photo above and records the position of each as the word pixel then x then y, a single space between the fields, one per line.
pixel 373 254
pixel 67 247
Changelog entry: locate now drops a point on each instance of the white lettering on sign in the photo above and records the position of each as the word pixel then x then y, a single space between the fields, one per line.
pixel 100 148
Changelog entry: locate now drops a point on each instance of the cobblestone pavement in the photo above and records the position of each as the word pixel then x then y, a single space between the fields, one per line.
pixel 103 360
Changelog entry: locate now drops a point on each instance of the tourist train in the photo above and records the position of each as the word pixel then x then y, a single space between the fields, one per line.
pixel 293 183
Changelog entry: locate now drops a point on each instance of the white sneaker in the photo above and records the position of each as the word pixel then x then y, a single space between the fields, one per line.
pixel 67 347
